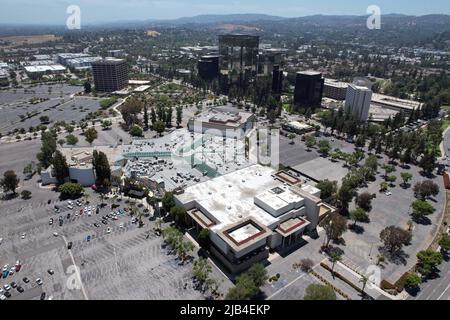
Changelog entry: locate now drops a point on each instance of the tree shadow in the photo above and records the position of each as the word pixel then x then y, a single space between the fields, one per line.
pixel 399 257
pixel 9 196
pixel 425 221
pixel 428 175
pixel 356 228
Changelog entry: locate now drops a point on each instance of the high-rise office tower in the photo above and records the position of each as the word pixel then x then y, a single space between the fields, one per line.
pixel 308 89
pixel 357 101
pixel 238 58
pixel 208 67
pixel 110 74
pixel 277 81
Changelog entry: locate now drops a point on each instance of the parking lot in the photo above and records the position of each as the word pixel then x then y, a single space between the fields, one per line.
pixel 60 104
pixel 124 262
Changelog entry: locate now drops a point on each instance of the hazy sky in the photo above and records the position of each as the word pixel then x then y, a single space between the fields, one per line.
pixel 54 11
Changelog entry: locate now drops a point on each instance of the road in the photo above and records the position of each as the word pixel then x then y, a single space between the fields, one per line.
pixel 436 289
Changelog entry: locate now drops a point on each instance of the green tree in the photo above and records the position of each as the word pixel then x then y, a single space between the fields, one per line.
pixel 203 238
pixel 412 280
pixel 426 189
pixel 406 177
pixel 70 190
pixel 9 182
pixel 428 260
pixel 421 209
pixel 364 201
pixel 427 163
pixel 178 214
pixel 87 87
pixel 47 150
pixel 146 126
pixel 179 111
pixel 71 139
pixel 310 142
pixel 444 242
pixel 358 215
pixel 327 188
pixel 159 127
pixel 102 168
pixel 168 201
pixel 319 292
pixel 324 147
pixel 334 225
pixel 136 131
pixel 201 271
pixel 248 284
pixel 60 166
pixel 90 135
pixel 394 238
pixel 388 168
pixel 106 124
pixel 25 194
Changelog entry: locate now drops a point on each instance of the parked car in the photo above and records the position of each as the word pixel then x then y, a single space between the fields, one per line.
pixel 23 235
pixel 13 285
pixel 55 234
pixel 104 222
pixel 18 266
pixel 51 221
pixel 7 287
pixel 96 225
pixel 50 272
pixel 108 230
pixel 20 289
pixel 2 297
pixel 42 296
pixel 39 281
pixel 7 294
pixel 26 280
pixel 88 238
pixel 69 245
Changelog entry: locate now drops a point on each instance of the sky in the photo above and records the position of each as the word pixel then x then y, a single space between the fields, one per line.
pixel 98 11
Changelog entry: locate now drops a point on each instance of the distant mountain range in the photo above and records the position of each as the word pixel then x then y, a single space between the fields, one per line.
pixel 434 22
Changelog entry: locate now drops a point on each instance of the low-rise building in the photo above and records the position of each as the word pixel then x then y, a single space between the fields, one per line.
pixel 335 89
pixel 251 210
pixel 229 124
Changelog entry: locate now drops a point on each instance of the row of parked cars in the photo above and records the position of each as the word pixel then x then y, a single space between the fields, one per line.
pixel 5 291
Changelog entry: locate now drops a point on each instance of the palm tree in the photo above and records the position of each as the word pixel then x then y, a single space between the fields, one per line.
pixel 364 281
pixel 335 257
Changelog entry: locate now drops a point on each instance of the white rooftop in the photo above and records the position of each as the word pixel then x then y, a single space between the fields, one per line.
pixel 231 198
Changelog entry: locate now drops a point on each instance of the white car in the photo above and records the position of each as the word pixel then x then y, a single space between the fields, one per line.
pixel 108 230
pixel 12 270
pixel 70 207
pixel 2 297
pixel 121 225
pixel 89 213
pixel 1 240
pixel 50 298
pixel 23 235
pixel 55 234
pixel 388 193
pixel 7 287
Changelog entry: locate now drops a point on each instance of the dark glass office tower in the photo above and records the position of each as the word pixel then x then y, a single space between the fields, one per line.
pixel 110 74
pixel 308 89
pixel 208 67
pixel 238 58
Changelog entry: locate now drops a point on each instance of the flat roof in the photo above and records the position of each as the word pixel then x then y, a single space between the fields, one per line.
pixel 44 68
pixel 396 102
pixel 310 73
pixel 230 198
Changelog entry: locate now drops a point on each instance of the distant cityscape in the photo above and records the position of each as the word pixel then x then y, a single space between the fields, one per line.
pixel 278 159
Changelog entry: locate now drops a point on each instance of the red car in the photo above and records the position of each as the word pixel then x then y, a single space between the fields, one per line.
pixel 126 209
pixel 18 266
